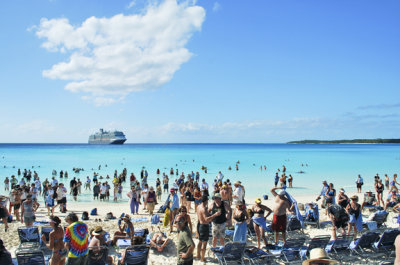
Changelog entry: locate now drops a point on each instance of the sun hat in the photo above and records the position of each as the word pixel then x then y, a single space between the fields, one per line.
pixel 342 190
pixel 98 231
pixel 237 183
pixel 319 255
pixel 258 200
pixel 369 191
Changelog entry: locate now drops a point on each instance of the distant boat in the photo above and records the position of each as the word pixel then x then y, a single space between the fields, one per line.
pixel 104 137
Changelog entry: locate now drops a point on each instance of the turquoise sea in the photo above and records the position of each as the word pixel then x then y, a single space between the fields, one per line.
pixel 338 164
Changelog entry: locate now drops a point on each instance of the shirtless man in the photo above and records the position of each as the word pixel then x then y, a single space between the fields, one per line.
pixel 203 226
pixel 98 241
pixel 282 204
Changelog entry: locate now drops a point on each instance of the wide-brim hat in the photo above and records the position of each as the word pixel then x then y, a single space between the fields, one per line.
pixel 237 183
pixel 258 200
pixel 98 231
pixel 319 254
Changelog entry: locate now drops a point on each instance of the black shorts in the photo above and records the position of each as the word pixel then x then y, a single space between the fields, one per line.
pixel 329 200
pixel 204 232
pixel 165 186
pixel 102 196
pixel 63 200
pixel 341 223
pixel 359 185
pixel 17 206
pixel 3 213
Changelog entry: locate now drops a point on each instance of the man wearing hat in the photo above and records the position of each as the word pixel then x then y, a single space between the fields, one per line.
pixel 185 244
pixel 203 226
pixel 369 199
pixel 173 201
pixel 238 193
pixel 282 204
pixel 319 256
pixel 219 222
pixel 98 240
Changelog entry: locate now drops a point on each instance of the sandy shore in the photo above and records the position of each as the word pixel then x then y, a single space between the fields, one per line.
pixel 11 239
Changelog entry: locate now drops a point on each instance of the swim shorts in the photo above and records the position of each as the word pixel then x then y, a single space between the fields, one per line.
pixel 279 223
pixel 204 232
pixel 218 230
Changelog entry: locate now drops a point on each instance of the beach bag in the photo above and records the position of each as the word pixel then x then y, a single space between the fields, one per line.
pixel 85 216
pixel 162 209
pixel 155 219
pixel 93 211
pixel 166 217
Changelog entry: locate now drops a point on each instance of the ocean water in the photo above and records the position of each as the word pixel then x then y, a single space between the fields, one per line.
pixel 339 164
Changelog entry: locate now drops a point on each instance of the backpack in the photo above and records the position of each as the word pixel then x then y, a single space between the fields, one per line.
pixel 155 219
pixel 293 224
pixel 85 216
pixel 93 211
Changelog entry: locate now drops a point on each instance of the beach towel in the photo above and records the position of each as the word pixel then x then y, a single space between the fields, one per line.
pixel 357 221
pixel 260 221
pixel 296 209
pixel 240 233
pixel 166 217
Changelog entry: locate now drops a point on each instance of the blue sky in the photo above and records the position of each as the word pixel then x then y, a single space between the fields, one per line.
pixel 199 71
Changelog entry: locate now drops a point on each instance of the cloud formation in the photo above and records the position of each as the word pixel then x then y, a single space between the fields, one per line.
pixel 112 57
pixel 380 106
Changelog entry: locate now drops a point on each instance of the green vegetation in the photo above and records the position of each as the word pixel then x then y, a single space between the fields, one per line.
pixel 355 141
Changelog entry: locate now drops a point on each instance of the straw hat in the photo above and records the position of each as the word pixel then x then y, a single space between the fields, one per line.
pixel 258 200
pixel 319 255
pixel 98 231
pixel 354 198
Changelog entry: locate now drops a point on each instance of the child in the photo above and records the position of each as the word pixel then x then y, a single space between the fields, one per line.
pixel 159 192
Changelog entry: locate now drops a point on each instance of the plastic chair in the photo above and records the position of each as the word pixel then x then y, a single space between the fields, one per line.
pixel 29 237
pixel 365 241
pixel 137 255
pixel 30 257
pixel 231 252
pixel 97 256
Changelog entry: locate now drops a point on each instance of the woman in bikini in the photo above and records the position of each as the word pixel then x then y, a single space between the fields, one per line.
pixel 55 242
pixel 126 231
pixel 354 211
pixel 259 220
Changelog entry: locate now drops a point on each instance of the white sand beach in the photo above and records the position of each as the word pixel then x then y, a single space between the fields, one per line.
pixel 11 239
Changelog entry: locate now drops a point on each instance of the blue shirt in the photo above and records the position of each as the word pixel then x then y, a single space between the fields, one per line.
pixel 324 189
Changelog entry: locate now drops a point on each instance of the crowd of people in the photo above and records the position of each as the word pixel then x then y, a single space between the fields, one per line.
pixel 218 207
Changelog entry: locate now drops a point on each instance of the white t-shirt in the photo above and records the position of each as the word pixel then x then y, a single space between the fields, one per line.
pixel 103 190
pixel 238 193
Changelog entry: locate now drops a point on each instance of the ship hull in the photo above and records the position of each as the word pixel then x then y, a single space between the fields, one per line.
pixel 107 141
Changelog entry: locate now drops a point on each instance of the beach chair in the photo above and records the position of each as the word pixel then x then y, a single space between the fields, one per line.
pixel 386 240
pixel 229 235
pixel 369 206
pixel 365 241
pixel 45 230
pixel 316 242
pixel 137 255
pixel 97 256
pixel 341 243
pixel 231 252
pixel 257 256
pixel 380 217
pixel 314 220
pixel 290 250
pixel 141 232
pixel 29 237
pixel 30 257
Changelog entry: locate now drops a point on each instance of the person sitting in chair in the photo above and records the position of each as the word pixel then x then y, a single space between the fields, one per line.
pixel 126 231
pixel 98 241
pixel 392 200
pixel 369 200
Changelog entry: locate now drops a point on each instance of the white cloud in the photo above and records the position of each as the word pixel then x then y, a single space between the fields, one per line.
pixel 216 7
pixel 131 4
pixel 112 57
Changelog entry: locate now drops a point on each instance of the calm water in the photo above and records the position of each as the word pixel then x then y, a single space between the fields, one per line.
pixel 339 164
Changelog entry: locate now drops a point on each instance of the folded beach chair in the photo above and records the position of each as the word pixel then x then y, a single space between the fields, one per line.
pixel 97 256
pixel 341 243
pixel 29 238
pixel 137 255
pixel 231 252
pixel 365 241
pixel 30 257
pixel 386 240
pixel 314 218
pixel 257 256
pixel 290 250
pixel 316 242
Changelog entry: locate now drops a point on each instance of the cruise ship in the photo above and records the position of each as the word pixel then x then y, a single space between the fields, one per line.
pixel 104 137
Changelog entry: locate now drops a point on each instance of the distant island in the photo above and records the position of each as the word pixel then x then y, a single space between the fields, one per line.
pixel 355 141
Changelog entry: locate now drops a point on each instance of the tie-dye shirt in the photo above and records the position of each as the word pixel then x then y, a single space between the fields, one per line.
pixel 77 236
